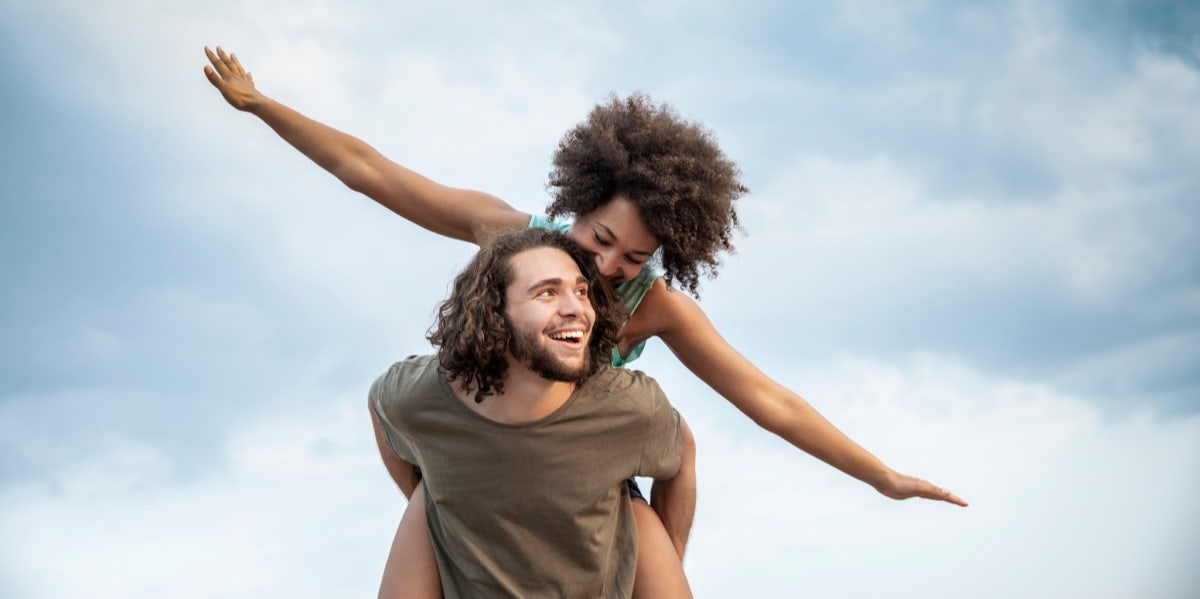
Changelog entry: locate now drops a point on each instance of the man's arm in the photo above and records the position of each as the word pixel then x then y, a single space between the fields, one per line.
pixel 402 472
pixel 668 456
pixel 674 499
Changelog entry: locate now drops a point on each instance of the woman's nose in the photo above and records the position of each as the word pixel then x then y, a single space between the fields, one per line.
pixel 606 265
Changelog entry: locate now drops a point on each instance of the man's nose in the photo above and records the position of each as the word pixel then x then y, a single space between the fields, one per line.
pixel 571 304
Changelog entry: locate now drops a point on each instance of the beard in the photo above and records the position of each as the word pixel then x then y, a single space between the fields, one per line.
pixel 526 347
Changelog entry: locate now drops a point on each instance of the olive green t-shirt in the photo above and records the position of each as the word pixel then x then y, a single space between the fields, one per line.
pixel 538 509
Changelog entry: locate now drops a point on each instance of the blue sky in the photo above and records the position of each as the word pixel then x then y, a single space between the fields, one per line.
pixel 971 242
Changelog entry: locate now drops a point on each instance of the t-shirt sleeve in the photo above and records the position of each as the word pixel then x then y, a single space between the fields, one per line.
pixel 663 443
pixel 386 401
pixel 538 221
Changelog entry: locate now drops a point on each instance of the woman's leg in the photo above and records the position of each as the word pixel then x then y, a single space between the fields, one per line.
pixel 660 558
pixel 659 570
pixel 411 570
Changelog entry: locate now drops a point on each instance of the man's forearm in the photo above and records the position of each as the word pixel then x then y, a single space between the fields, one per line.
pixel 674 500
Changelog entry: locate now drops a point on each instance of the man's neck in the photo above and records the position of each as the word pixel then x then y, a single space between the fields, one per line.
pixel 527 397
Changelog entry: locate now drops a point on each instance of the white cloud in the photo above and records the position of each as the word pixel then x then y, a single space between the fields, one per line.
pixel 303 508
pixel 1064 500
pixel 874 246
pixel 1095 115
pixel 873 199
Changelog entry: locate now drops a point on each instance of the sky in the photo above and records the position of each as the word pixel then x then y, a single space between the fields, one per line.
pixel 972 241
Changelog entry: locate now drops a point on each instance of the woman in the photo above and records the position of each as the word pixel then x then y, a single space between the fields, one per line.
pixel 638 181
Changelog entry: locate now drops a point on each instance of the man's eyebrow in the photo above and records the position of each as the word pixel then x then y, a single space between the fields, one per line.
pixel 609 232
pixel 556 282
pixel 552 282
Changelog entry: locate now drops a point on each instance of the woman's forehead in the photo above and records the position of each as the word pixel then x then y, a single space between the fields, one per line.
pixel 620 218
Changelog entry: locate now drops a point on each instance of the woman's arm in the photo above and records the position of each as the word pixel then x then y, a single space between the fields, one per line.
pixel 682 325
pixel 459 213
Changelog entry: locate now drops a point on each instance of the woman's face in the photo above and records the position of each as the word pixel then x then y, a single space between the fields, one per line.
pixel 615 234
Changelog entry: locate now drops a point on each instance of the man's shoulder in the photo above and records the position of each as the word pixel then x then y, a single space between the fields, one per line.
pixel 416 365
pixel 409 376
pixel 610 380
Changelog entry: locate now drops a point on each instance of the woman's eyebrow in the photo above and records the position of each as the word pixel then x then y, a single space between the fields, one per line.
pixel 609 232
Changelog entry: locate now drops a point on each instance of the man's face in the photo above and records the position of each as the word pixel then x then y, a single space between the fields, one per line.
pixel 550 315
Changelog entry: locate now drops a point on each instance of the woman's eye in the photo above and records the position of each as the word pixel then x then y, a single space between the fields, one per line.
pixel 599 240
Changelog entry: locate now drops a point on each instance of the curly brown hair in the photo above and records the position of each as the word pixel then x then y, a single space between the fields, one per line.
pixel 671 169
pixel 472 333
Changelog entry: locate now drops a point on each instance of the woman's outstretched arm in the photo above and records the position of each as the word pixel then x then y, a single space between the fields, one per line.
pixel 463 214
pixel 682 325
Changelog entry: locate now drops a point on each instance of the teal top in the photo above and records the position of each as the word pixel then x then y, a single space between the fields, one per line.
pixel 632 291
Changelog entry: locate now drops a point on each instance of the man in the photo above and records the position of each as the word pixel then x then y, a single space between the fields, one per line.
pixel 523 434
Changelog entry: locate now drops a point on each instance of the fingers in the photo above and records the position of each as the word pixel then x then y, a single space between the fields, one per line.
pixel 934 492
pixel 952 498
pixel 226 62
pixel 213 74
pixel 226 65
pixel 237 64
pixel 217 62
pixel 213 78
pixel 916 487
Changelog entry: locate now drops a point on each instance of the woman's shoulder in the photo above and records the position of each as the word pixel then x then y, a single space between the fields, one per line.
pixel 664 308
pixel 537 221
pixel 654 315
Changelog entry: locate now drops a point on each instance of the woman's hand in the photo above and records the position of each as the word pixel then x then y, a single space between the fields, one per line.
pixel 235 84
pixel 902 486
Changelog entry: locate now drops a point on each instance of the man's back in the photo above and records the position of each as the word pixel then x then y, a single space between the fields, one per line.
pixel 535 509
